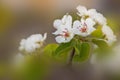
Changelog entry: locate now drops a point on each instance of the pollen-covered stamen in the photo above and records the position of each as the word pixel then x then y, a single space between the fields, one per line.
pixel 65 33
pixel 84 28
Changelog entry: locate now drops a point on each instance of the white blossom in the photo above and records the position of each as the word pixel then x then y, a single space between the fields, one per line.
pixel 32 43
pixel 100 19
pixel 109 35
pixel 64 29
pixel 91 13
pixel 82 11
pixel 65 22
pixel 83 27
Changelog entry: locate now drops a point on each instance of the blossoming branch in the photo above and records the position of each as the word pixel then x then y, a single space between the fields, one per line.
pixel 75 37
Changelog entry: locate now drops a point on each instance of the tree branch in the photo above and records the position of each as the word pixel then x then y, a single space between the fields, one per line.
pixel 70 58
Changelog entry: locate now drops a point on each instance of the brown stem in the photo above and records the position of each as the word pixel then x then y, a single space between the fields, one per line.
pixel 70 58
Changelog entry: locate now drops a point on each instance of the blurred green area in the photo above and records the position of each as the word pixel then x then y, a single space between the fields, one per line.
pixel 34 69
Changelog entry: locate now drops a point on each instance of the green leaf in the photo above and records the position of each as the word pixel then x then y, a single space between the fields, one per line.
pixel 77 47
pixel 101 44
pixel 104 50
pixel 50 49
pixel 97 33
pixel 64 47
pixel 84 52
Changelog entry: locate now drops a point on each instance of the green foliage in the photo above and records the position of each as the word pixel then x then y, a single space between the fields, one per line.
pixel 77 47
pixel 34 69
pixel 103 50
pixel 62 51
pixel 84 52
pixel 50 49
pixel 101 44
pixel 57 52
pixel 98 33
pixel 64 47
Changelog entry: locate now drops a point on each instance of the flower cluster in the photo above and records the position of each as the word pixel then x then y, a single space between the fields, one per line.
pixel 89 18
pixel 78 36
pixel 32 43
pixel 29 45
pixel 64 29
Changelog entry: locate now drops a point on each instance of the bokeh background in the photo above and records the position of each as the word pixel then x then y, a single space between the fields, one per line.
pixel 21 18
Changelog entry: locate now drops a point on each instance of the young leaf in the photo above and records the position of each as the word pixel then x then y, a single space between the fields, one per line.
pixel 101 44
pixel 97 33
pixel 50 49
pixel 84 52
pixel 64 47
pixel 77 47
pixel 104 49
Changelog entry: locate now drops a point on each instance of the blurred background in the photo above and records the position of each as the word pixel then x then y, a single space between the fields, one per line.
pixel 21 18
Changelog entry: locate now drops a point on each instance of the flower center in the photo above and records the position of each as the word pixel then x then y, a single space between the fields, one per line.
pixel 84 28
pixel 65 33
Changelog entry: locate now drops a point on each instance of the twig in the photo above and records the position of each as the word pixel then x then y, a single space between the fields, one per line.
pixel 70 58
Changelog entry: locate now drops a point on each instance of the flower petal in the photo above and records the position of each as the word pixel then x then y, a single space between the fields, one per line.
pixel 45 36
pixel 57 23
pixel 60 39
pixel 76 26
pixel 81 10
pixel 111 38
pixel 67 20
pixel 90 24
pixel 100 19
pixel 92 12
